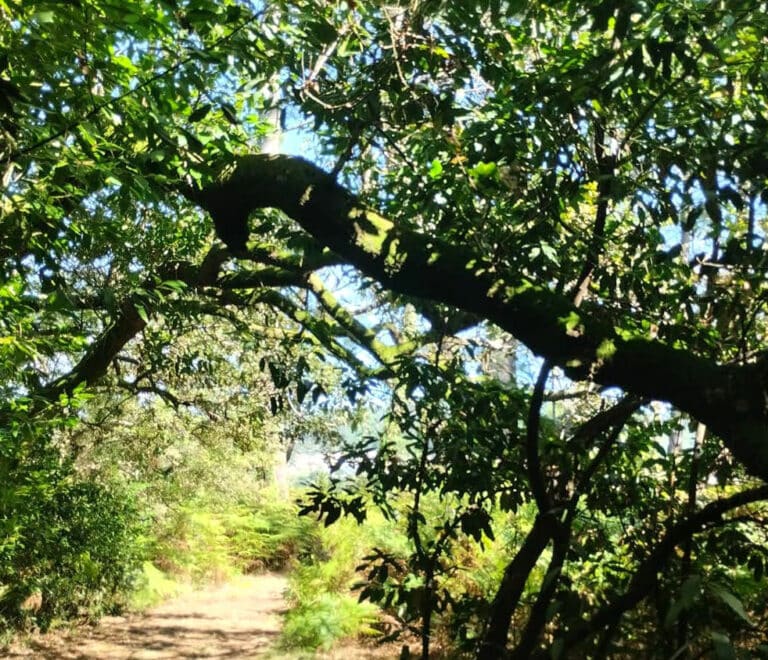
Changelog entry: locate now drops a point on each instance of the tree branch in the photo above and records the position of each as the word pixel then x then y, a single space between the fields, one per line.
pixel 93 365
pixel 128 322
pixel 644 578
pixel 731 400
pixel 532 455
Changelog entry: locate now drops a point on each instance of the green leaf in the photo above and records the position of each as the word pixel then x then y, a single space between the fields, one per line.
pixel 322 30
pixel 550 253
pixel 689 592
pixel 572 323
pixel 721 645
pixel 47 16
pixel 483 170
pixel 302 388
pixel 200 113
pixel 142 312
pixel 606 349
pixel 435 169
pixel 173 285
pixel 731 601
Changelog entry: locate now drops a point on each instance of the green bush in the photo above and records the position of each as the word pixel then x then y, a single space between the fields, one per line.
pixel 271 535
pixel 73 551
pixel 324 608
pixel 319 622
pixel 193 544
pixel 152 586
pixel 200 544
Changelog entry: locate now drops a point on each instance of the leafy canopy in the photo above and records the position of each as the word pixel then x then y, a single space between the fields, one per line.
pixel 587 176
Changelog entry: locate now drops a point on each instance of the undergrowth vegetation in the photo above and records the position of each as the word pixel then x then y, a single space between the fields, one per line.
pixel 323 604
pixel 68 546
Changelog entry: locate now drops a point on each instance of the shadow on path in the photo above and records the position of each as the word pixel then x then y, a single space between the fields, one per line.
pixel 237 620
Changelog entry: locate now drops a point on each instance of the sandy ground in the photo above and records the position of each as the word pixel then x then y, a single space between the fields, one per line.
pixel 237 620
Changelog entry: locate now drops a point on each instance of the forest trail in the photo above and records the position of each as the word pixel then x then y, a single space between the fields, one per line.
pixel 240 619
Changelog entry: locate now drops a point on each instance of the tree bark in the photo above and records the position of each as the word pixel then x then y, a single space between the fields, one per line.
pixel 730 400
pixel 538 616
pixel 494 644
pixel 93 365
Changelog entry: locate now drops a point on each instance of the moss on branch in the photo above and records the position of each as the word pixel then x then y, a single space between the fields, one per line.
pixel 730 400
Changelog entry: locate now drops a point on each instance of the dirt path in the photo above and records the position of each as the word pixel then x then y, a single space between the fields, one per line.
pixel 236 620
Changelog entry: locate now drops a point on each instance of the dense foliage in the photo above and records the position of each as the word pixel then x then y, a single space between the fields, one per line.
pixel 588 177
pixel 71 539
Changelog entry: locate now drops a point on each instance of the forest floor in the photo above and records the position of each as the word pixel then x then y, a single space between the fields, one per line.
pixel 240 619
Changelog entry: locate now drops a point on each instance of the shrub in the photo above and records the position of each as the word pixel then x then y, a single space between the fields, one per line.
pixel 318 622
pixel 75 550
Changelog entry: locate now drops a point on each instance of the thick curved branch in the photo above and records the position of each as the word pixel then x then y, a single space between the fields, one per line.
pixel 533 457
pixel 731 400
pixel 516 573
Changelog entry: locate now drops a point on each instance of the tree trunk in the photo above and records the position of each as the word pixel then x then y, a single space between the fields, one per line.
pixel 538 617
pixel 494 644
